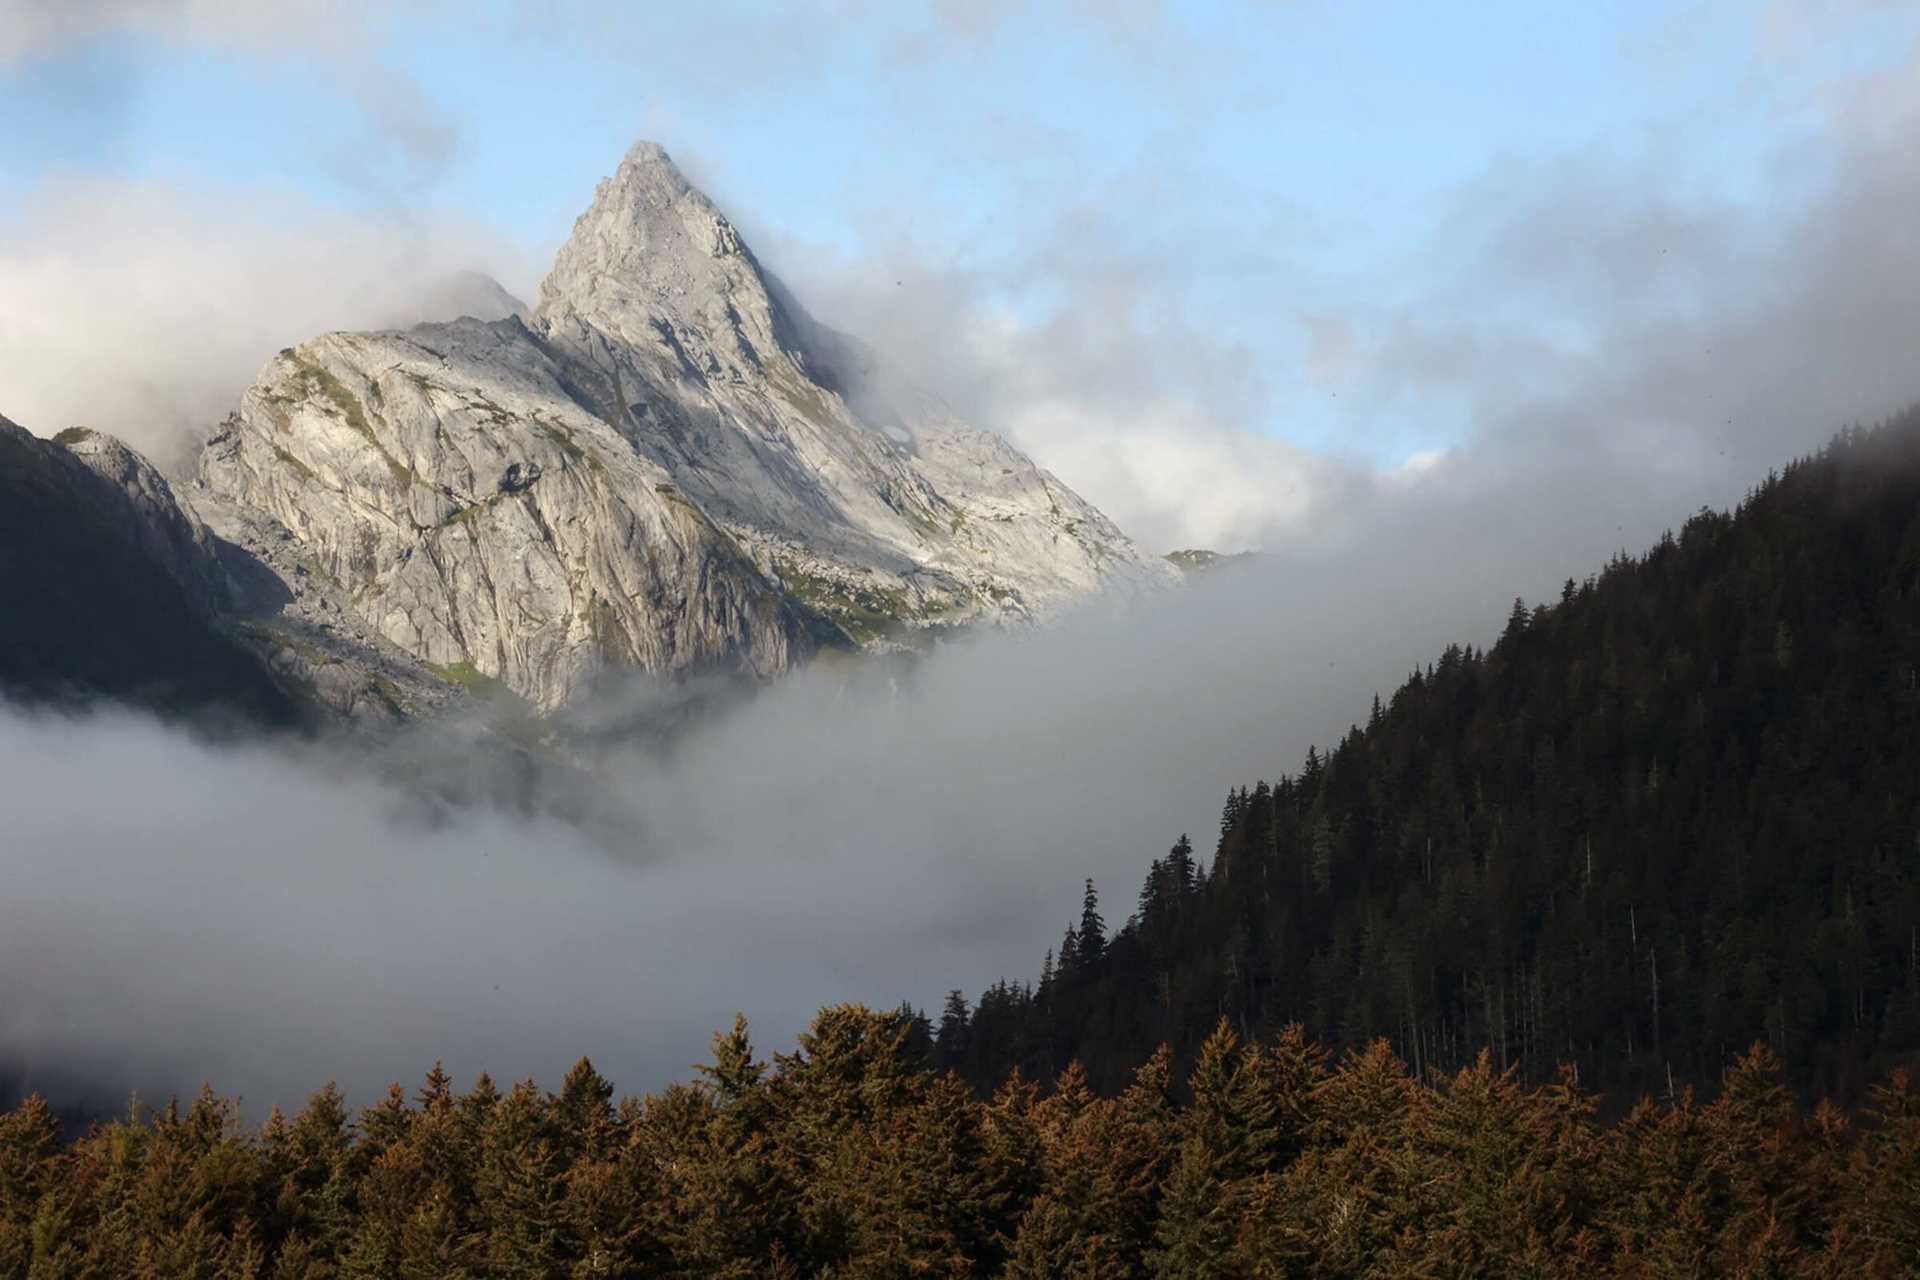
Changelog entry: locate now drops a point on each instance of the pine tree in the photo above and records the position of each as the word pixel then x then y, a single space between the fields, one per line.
pixel 1180 868
pixel 437 1091
pixel 1069 963
pixel 519 1183
pixel 734 1075
pixel 29 1151
pixel 1092 934
pixel 1884 1207
pixel 1199 1221
pixel 952 1038
pixel 1013 1160
pixel 583 1118
pixel 1229 1138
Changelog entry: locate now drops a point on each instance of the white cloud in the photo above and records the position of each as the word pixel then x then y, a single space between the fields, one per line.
pixel 267 915
pixel 340 29
pixel 143 309
pixel 407 136
pixel 1174 479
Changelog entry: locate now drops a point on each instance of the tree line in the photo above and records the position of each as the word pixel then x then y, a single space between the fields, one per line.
pixel 849 1157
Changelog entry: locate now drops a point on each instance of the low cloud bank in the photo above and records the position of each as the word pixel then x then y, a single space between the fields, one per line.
pixel 268 916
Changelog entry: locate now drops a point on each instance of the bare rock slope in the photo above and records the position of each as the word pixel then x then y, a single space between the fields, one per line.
pixel 667 465
pixel 245 576
pixel 112 587
pixel 170 534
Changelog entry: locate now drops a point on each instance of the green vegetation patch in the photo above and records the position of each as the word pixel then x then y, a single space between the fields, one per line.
pixel 564 441
pixel 806 397
pixel 507 712
pixel 470 678
pixel 486 408
pixel 293 464
pixel 863 613
pixel 473 512
pixel 388 692
pixel 312 654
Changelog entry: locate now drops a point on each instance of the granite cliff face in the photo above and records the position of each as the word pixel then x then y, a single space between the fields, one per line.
pixel 668 465
pixel 172 598
pixel 479 518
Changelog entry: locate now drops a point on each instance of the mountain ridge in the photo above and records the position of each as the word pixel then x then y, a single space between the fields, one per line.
pixel 115 587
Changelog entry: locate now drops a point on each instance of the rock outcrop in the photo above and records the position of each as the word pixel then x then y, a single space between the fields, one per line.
pixel 668 465
pixel 238 591
pixel 482 520
pixel 110 587
pixel 171 535
pixel 308 630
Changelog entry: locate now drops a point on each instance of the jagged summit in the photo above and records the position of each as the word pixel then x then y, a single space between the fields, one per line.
pixel 653 260
pixel 648 233
pixel 660 468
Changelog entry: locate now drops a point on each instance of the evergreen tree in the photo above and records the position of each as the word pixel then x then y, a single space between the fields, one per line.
pixel 1092 934
pixel 952 1038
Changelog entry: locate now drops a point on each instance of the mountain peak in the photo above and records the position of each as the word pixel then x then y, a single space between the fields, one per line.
pixel 648 178
pixel 648 154
pixel 651 246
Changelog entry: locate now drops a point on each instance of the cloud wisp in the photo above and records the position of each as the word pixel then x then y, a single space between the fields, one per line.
pixel 404 138
pixel 143 309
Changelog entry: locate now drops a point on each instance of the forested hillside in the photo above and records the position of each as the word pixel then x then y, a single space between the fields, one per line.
pixel 1674 812
pixel 847 1158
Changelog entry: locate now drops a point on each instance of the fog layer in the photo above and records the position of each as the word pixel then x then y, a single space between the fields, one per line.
pixel 268 916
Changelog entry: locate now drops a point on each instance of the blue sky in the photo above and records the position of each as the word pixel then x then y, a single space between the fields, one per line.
pixel 1257 193
pixel 1361 118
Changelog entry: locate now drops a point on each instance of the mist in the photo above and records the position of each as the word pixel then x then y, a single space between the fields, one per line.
pixel 144 310
pixel 267 915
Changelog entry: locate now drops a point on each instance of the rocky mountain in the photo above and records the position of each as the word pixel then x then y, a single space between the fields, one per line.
pixel 112 586
pixel 667 465
pixel 149 514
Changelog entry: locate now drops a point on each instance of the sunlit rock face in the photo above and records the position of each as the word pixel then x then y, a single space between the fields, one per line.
pixel 667 465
